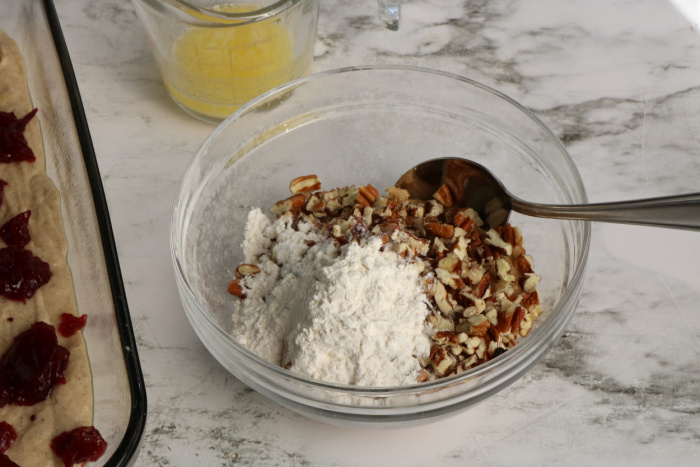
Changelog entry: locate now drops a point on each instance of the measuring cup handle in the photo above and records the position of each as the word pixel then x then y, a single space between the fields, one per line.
pixel 390 13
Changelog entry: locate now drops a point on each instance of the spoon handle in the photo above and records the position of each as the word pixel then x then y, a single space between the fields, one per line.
pixel 675 212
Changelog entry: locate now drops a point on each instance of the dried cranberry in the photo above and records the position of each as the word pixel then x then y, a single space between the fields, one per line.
pixel 70 324
pixel 3 184
pixel 21 273
pixel 13 144
pixel 32 366
pixel 15 232
pixel 84 444
pixel 6 462
pixel 7 436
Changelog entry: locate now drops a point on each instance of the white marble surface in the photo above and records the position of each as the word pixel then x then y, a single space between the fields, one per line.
pixel 617 80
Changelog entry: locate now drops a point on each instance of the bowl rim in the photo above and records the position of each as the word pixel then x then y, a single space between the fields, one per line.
pixel 502 362
pixel 207 17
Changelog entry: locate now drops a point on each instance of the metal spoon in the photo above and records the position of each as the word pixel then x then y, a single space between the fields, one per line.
pixel 473 185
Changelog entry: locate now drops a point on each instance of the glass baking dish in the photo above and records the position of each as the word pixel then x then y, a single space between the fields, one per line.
pixel 120 394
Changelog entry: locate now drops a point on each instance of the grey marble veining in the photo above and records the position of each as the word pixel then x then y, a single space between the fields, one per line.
pixel 617 81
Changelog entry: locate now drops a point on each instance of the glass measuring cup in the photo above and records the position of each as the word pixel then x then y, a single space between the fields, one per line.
pixel 216 55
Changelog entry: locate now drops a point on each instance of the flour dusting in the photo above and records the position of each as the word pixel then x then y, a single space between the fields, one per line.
pixel 348 314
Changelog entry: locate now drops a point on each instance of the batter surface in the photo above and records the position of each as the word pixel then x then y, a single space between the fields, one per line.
pixel 29 188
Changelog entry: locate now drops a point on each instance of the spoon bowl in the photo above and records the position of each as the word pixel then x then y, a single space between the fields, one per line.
pixel 473 185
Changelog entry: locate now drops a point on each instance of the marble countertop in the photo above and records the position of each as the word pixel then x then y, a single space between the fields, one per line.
pixel 617 81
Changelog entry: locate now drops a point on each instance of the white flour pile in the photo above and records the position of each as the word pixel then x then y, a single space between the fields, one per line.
pixel 350 314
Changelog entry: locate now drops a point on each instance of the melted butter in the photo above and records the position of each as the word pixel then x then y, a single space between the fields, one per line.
pixel 216 70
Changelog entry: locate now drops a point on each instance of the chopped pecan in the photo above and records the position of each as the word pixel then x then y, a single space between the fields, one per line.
pixel 442 299
pixel 523 264
pixel 246 270
pixel 444 196
pixel 451 263
pixel 397 194
pixel 504 320
pixel 433 209
pixel 305 184
pixel 483 285
pixel 493 332
pixel 529 282
pixel 439 229
pixel 494 239
pixel 518 316
pixel 530 299
pixel 441 361
pixel 367 195
pixel 479 282
pixel 507 233
pixel 464 222
pixel 445 337
pixel 292 204
pixel 367 215
pixel 460 247
pixel 503 269
pixel 423 376
pixel 235 288
pixel 315 204
pixel 478 325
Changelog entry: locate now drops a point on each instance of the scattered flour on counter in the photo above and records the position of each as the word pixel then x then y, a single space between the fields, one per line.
pixel 351 314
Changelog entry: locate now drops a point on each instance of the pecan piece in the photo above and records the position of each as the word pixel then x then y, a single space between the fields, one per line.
pixel 367 195
pixel 441 361
pixel 246 270
pixel 439 229
pixel 483 285
pixel 530 299
pixel 422 376
pixel 503 269
pixel 235 288
pixel 507 233
pixel 293 203
pixel 518 316
pixel 478 325
pixel 465 223
pixel 448 339
pixel 367 215
pixel 529 282
pixel 442 298
pixel 315 204
pixel 504 320
pixel 523 264
pixel 444 196
pixel 305 184
pixel 445 337
pixel 493 332
pixel 494 239
pixel 398 194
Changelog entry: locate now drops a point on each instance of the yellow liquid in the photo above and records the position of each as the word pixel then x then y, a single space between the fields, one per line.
pixel 219 69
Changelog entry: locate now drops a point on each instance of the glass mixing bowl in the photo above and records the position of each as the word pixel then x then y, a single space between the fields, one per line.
pixel 369 125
